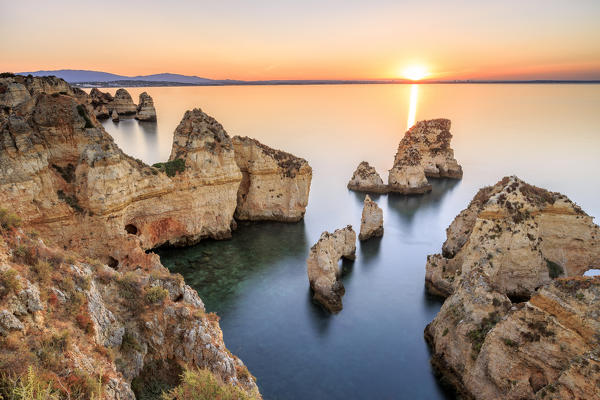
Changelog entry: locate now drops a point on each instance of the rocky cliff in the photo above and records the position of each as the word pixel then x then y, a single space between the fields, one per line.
pixel 69 180
pixel 88 331
pixel 322 266
pixel 423 152
pixel 521 235
pixel 69 183
pixel 511 327
pixel 275 184
pixel 371 222
pixel 105 105
pixel 145 108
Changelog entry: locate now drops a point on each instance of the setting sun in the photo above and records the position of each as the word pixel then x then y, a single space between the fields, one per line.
pixel 415 72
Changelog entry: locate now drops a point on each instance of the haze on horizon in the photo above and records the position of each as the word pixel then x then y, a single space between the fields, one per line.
pixel 284 39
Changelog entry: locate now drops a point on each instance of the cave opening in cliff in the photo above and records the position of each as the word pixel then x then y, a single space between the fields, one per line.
pixel 113 262
pixel 131 229
pixel 520 297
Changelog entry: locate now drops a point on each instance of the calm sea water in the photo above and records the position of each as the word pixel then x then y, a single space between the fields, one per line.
pixel 548 135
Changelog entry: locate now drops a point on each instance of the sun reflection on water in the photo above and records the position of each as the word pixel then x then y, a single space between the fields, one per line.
pixel 412 107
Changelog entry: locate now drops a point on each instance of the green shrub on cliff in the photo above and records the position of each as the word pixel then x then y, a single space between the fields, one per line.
pixel 27 387
pixel 8 220
pixel 201 384
pixel 171 168
pixel 156 294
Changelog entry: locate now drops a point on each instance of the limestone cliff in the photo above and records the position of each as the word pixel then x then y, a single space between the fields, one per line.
pixel 105 105
pixel 69 180
pixel 423 152
pixel 366 179
pixel 93 332
pixel 521 235
pixel 371 223
pixel 322 266
pixel 122 103
pixel 275 185
pixel 509 329
pixel 145 108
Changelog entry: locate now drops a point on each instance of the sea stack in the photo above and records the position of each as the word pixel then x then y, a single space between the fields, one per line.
pixel 366 179
pixel 275 184
pixel 115 116
pixel 423 152
pixel 519 321
pixel 145 109
pixel 323 269
pixel 371 223
pixel 123 103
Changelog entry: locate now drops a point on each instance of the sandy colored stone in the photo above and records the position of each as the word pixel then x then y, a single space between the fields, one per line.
pixel 423 152
pixel 122 103
pixel 322 266
pixel 275 184
pixel 366 179
pixel 371 223
pixel 520 235
pixel 508 329
pixel 145 108
pixel 115 116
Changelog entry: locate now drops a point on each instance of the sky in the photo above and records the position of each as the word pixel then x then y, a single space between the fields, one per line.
pixel 308 39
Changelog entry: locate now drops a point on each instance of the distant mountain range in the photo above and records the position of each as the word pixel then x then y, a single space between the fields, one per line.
pixel 86 78
pixel 79 75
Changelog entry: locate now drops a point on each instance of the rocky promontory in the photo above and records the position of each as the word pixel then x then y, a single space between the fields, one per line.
pixel 322 266
pixel 366 179
pixel 275 184
pixel 145 109
pixel 371 223
pixel 519 321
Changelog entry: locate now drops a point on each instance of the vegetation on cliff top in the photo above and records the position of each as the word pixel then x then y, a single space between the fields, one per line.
pixel 171 168
pixel 201 384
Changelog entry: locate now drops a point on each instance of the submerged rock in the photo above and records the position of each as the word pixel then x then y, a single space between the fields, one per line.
pixel 322 266
pixel 371 223
pixel 423 152
pixel 275 184
pixel 366 179
pixel 145 108
pixel 512 327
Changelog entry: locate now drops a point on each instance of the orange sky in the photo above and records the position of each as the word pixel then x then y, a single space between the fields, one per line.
pixel 285 39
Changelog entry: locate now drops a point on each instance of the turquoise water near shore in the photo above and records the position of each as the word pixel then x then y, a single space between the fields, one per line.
pixel 548 135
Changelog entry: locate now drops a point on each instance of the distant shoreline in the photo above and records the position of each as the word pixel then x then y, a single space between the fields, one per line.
pixel 125 83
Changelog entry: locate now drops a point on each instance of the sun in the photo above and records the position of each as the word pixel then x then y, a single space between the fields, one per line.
pixel 415 72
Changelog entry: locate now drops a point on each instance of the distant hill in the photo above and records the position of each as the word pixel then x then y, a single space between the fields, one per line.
pixel 77 75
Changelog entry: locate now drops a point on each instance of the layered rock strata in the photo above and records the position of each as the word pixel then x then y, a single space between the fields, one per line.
pixel 322 266
pixel 275 184
pixel 74 320
pixel 371 223
pixel 366 179
pixel 70 181
pixel 122 103
pixel 521 235
pixel 512 327
pixel 105 105
pixel 423 152
pixel 145 108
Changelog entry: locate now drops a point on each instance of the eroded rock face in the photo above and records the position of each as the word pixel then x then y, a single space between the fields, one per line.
pixel 371 223
pixel 423 152
pixel 123 103
pixel 366 179
pixel 521 235
pixel 99 102
pixel 66 176
pixel 145 108
pixel 143 320
pixel 275 184
pixel 322 265
pixel 115 116
pixel 509 329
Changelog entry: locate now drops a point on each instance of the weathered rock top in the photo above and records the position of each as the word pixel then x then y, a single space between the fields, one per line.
pixel 516 229
pixel 145 108
pixel 371 223
pixel 199 131
pixel 366 179
pixel 288 164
